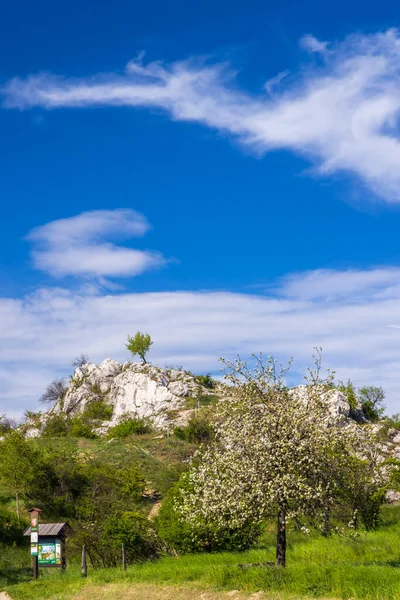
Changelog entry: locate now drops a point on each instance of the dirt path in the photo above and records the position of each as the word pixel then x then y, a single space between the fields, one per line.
pixel 4 596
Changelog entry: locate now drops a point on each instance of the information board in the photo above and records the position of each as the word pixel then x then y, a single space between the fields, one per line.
pixel 49 553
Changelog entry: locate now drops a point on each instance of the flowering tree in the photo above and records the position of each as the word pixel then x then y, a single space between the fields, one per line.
pixel 277 452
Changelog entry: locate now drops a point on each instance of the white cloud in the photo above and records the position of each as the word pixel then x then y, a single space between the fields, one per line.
pixel 76 246
pixel 40 334
pixel 330 284
pixel 342 114
pixel 312 44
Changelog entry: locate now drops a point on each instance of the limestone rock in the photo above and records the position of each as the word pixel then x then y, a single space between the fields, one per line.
pixel 337 402
pixel 134 389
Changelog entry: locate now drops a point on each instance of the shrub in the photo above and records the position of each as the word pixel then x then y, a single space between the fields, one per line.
pixel 203 536
pixel 129 426
pixel 350 391
pixel 81 429
pixel 198 430
pixel 134 530
pixel 11 528
pixel 6 424
pixel 202 400
pixel 81 360
pixel 55 390
pixel 57 426
pixel 393 422
pixel 206 381
pixel 98 409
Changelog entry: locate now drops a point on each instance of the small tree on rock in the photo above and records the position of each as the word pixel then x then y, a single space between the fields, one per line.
pixel 81 360
pixel 372 398
pixel 139 345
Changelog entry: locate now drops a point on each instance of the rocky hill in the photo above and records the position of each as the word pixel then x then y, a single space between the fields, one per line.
pixel 164 396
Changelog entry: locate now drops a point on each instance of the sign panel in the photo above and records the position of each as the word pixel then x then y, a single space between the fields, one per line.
pixel 34 537
pixel 50 553
pixel 34 524
pixel 34 549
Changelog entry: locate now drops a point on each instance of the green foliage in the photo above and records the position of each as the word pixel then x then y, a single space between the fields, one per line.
pixel 6 425
pixel 129 426
pixel 132 529
pixel 139 344
pixel 200 536
pixel 371 398
pixel 202 400
pixel 206 381
pixel 18 460
pixel 198 430
pixel 11 528
pixel 350 391
pixel 57 426
pixel 80 428
pixel 361 568
pixel 98 410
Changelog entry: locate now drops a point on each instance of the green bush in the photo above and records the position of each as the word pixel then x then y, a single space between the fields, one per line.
pixel 81 429
pixel 198 430
pixel 129 426
pixel 11 528
pixel 98 410
pixel 202 536
pixel 132 529
pixel 57 426
pixel 393 422
pixel 206 381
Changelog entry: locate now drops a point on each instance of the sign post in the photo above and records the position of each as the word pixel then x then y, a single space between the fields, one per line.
pixel 35 540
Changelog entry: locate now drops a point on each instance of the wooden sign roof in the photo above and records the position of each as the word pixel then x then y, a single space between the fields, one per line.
pixel 49 529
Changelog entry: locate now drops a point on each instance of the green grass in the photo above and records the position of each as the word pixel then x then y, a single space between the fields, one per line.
pixel 367 567
pixel 161 458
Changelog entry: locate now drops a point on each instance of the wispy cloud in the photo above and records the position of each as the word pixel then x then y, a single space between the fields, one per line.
pixel 78 245
pixel 336 285
pixel 40 334
pixel 342 113
pixel 312 44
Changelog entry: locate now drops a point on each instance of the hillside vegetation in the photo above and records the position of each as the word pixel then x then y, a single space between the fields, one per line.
pixel 364 567
pixel 207 485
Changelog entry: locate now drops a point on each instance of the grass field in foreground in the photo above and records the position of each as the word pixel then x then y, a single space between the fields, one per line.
pixel 367 568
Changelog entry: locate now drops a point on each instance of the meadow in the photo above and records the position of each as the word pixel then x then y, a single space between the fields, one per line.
pixel 366 567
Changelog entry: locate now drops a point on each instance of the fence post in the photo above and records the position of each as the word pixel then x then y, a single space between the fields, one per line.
pixel 84 565
pixel 123 557
pixel 35 561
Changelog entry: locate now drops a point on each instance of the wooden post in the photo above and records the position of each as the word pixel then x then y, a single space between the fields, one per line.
pixel 35 565
pixel 123 557
pixel 84 565
pixel 35 541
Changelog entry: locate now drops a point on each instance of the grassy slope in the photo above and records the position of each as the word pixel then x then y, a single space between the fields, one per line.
pixel 161 458
pixel 367 567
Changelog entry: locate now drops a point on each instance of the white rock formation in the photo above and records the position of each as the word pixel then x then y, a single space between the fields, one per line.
pixel 134 389
pixel 337 402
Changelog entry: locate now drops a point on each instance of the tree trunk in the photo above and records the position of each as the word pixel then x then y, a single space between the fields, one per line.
pixel 326 523
pixel 17 504
pixel 281 538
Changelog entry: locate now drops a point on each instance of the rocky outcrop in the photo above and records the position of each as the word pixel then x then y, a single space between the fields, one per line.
pixel 337 403
pixel 134 389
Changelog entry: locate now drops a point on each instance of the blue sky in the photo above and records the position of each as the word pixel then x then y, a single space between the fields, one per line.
pixel 223 175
